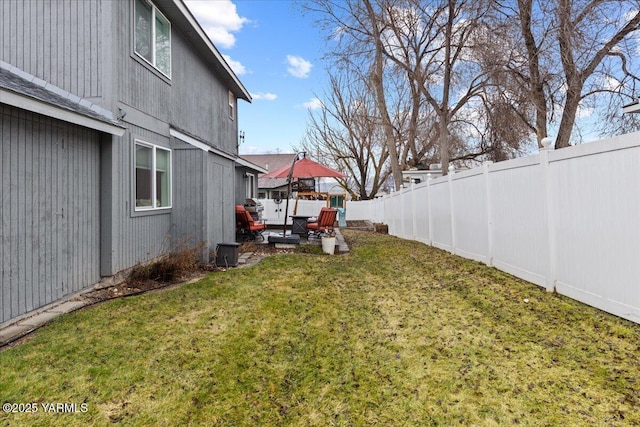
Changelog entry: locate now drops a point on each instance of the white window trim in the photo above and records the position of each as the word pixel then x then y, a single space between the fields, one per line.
pixel 249 185
pixel 232 106
pixel 153 207
pixel 154 10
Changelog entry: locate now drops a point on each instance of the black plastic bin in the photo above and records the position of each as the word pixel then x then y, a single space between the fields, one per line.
pixel 227 254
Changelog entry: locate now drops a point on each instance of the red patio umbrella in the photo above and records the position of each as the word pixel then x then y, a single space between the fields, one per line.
pixel 304 168
pixel 300 168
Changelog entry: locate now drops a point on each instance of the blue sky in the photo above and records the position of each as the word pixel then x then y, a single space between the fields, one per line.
pixel 276 52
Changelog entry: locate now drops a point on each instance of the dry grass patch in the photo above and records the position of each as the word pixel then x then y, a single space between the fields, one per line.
pixel 395 333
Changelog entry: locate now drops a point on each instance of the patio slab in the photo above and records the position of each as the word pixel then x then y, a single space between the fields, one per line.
pixel 12 332
pixel 67 307
pixel 40 318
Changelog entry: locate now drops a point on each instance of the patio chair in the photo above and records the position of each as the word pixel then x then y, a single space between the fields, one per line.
pixel 247 226
pixel 324 222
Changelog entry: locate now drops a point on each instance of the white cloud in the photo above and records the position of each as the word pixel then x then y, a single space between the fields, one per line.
pixel 266 96
pixel 219 19
pixel 313 104
pixel 298 66
pixel 611 83
pixel 236 66
pixel 584 112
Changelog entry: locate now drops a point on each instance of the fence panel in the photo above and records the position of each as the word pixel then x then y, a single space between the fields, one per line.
pixel 519 229
pixel 379 210
pixel 440 213
pixel 566 219
pixel 393 213
pixel 598 232
pixel 360 210
pixel 421 209
pixel 274 213
pixel 407 212
pixel 469 201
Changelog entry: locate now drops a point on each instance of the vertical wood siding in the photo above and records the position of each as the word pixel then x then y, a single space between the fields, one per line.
pixel 138 238
pixel 221 212
pixel 59 41
pixel 49 224
pixel 188 213
pixel 194 99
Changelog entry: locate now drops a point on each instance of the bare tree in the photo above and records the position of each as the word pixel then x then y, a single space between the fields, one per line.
pixel 352 29
pixel 433 42
pixel 346 130
pixel 573 49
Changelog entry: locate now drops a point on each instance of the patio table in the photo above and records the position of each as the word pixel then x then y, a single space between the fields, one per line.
pixel 299 224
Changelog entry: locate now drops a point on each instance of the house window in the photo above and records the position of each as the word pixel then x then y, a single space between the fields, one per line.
pixel 232 105
pixel 152 177
pixel 153 36
pixel 250 185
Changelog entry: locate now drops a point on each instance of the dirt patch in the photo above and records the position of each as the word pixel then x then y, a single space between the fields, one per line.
pixel 134 287
pixel 360 225
pixel 128 288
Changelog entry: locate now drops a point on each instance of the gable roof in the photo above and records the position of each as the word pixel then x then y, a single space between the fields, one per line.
pixel 270 162
pixel 181 18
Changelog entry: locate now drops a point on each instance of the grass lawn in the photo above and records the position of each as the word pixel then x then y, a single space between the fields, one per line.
pixel 394 334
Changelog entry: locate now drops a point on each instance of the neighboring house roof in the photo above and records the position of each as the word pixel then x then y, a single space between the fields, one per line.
pixel 270 162
pixel 245 163
pixel 22 90
pixel 177 12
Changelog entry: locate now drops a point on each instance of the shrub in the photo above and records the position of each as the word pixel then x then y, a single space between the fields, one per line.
pixel 168 268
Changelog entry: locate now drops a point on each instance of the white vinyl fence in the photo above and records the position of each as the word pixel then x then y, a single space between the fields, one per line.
pixel 274 213
pixel 567 220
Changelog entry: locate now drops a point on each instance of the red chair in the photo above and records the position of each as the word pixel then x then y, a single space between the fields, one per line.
pixel 324 223
pixel 246 225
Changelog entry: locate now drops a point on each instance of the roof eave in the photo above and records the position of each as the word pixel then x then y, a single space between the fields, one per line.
pixel 245 163
pixel 46 109
pixel 230 77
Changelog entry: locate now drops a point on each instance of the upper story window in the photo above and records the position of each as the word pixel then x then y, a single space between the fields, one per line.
pixel 153 36
pixel 152 177
pixel 232 105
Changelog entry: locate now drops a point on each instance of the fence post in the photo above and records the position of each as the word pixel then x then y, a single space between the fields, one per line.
pixel 452 170
pixel 551 229
pixel 414 219
pixel 402 196
pixel 487 187
pixel 429 214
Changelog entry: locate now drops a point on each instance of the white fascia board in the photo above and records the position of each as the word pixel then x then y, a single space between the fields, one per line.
pixel 188 139
pixel 36 106
pixel 199 144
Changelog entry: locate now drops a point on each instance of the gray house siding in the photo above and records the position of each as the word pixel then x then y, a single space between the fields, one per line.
pixel 193 99
pixel 242 183
pixel 221 212
pixel 49 216
pixel 204 196
pixel 67 218
pixel 59 41
pixel 139 237
pixel 188 226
